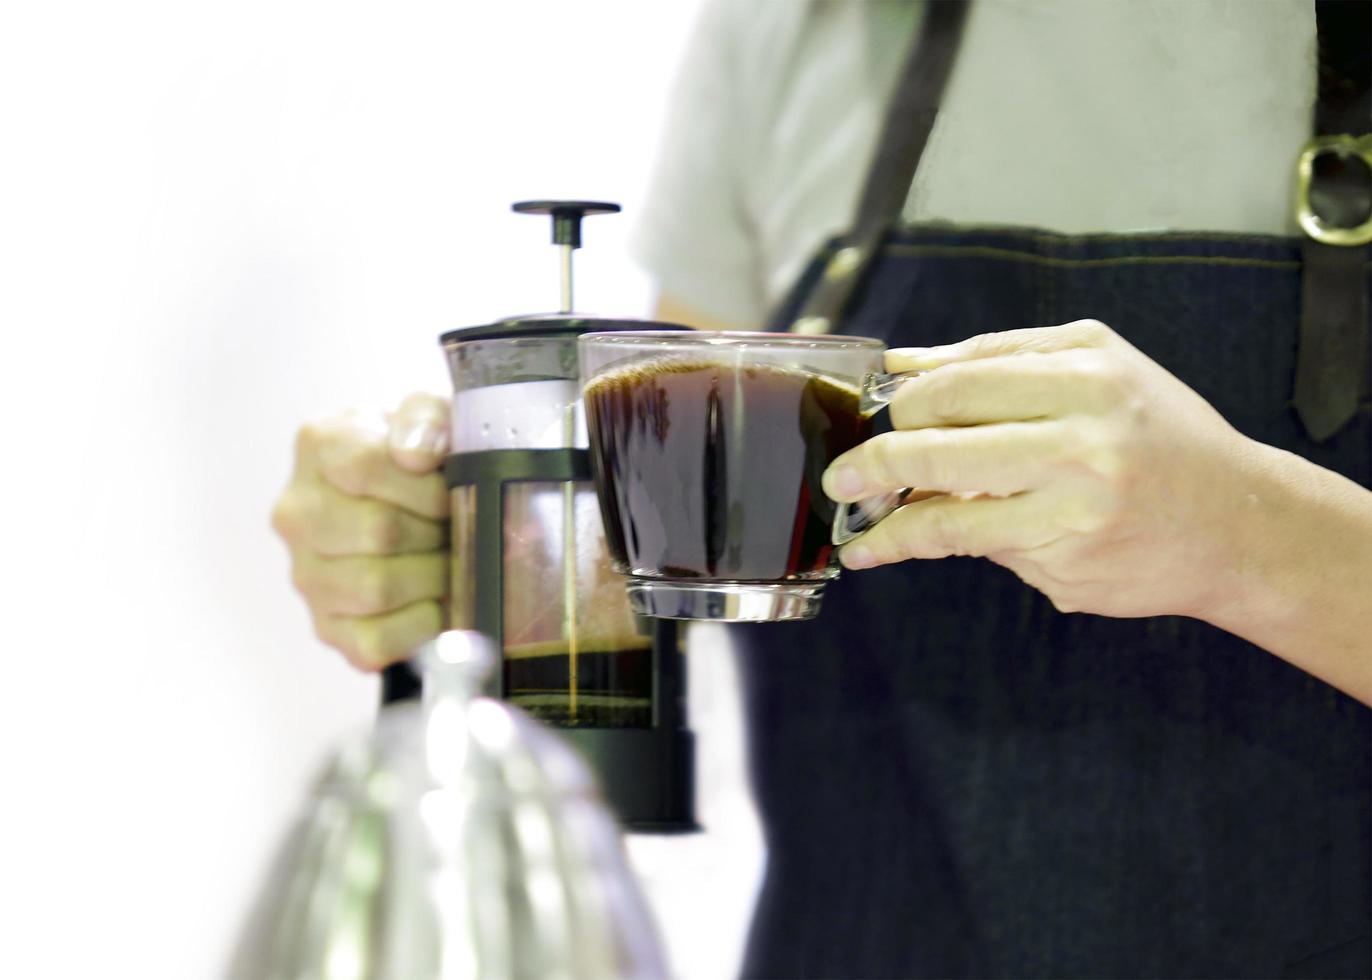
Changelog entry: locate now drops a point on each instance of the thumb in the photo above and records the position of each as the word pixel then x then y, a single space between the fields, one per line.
pixel 419 433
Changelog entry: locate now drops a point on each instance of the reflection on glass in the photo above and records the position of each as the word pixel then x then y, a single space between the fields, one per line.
pixel 462 558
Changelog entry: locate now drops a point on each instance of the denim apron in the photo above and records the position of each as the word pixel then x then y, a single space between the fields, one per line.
pixel 955 779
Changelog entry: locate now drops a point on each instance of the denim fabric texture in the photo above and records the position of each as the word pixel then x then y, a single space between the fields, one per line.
pixel 957 780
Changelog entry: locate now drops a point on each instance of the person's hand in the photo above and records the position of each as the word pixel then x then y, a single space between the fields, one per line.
pixel 364 517
pixel 1069 457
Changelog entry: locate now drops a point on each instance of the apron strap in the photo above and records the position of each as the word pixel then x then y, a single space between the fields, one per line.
pixel 909 119
pixel 1334 208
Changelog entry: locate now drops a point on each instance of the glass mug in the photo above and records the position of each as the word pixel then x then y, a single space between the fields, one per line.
pixel 707 450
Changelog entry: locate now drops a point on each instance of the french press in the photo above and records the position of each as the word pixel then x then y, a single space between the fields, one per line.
pixel 530 566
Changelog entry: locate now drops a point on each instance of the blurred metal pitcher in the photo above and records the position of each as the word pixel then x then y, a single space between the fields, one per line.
pixel 458 839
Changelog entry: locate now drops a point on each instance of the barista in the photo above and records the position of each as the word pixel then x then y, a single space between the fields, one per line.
pixel 1118 729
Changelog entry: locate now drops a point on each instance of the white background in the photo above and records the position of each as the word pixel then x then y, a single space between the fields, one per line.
pixel 215 222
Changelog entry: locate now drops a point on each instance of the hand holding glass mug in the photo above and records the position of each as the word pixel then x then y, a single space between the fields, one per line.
pixel 1062 453
pixel 1068 456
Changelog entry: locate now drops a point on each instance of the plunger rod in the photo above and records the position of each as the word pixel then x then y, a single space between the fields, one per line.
pixel 566 251
pixel 569 582
pixel 569 569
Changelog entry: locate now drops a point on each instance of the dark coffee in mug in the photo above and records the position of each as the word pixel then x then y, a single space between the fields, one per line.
pixel 712 471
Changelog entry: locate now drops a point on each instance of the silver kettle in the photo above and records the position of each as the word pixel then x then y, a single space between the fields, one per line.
pixel 458 839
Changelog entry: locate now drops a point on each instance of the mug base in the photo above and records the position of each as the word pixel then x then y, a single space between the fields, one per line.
pixel 725 602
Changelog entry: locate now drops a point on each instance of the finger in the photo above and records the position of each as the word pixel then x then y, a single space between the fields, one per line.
pixel 419 434
pixel 1037 340
pixel 944 526
pixel 1004 389
pixel 373 642
pixel 1001 459
pixel 314 516
pixel 368 585
pixel 352 454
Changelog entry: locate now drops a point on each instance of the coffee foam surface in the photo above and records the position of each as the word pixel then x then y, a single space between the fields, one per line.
pixel 638 371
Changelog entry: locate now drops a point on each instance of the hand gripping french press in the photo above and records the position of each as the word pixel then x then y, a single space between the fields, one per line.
pixel 529 562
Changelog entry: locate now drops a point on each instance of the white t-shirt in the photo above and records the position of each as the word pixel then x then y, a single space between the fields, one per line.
pixel 1071 115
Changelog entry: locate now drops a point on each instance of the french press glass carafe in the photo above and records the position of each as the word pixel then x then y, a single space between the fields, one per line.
pixel 529 562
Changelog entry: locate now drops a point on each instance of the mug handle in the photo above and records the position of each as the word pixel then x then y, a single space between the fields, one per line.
pixel 851 519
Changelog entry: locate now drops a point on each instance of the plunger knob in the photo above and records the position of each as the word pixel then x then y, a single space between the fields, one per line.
pixel 567 216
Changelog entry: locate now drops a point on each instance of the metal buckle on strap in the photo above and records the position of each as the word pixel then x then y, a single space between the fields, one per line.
pixel 1344 146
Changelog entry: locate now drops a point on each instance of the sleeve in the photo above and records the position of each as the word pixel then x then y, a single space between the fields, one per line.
pixel 693 235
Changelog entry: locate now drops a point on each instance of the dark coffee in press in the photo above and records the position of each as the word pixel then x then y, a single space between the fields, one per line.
pixel 600 688
pixel 711 471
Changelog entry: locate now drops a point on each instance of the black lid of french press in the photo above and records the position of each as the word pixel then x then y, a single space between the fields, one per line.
pixel 550 325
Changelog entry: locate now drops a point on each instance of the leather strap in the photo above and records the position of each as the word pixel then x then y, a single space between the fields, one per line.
pixel 1332 360
pixel 1344 102
pixel 910 116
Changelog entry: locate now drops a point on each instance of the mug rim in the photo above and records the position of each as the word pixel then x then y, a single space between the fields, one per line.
pixel 728 338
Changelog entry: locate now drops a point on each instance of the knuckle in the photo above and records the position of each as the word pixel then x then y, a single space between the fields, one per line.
pixel 302 581
pixel 982 345
pixel 380 528
pixel 355 466
pixel 885 542
pixel 423 406
pixel 943 532
pixel 1103 453
pixel 1135 411
pixel 1092 367
pixel 440 499
pixel 900 541
pixel 323 633
pixel 888 548
pixel 369 648
pixel 338 635
pixel 1100 374
pixel 349 451
pixel 1064 603
pixel 431 616
pixel 1107 462
pixel 1026 570
pixel 285 517
pixel 939 461
pixel 880 456
pixel 1083 517
pixel 373 587
pixel 945 398
pixel 310 437
pixel 1091 330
